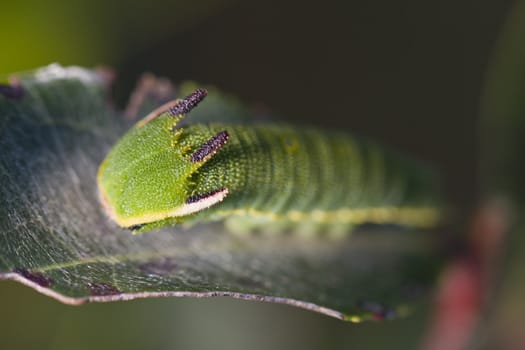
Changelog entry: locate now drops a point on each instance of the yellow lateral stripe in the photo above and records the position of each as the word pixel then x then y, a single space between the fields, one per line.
pixel 412 216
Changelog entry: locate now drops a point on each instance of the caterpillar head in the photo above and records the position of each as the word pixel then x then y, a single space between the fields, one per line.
pixel 146 182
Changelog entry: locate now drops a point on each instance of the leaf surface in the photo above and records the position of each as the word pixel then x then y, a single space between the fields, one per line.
pixel 55 129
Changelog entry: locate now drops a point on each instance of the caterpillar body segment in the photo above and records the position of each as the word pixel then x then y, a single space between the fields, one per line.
pixel 276 177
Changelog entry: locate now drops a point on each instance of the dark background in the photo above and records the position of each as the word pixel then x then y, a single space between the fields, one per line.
pixel 407 73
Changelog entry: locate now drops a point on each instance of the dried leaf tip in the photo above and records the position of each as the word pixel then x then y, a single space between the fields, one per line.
pixel 188 103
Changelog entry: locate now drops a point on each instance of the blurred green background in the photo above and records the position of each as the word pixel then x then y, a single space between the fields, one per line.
pixel 408 73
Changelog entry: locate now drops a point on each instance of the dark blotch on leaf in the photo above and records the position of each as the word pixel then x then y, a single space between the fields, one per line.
pixel 100 289
pixel 35 277
pixel 379 311
pixel 15 92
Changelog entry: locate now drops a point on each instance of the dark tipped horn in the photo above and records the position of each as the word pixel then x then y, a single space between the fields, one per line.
pixel 210 147
pixel 188 103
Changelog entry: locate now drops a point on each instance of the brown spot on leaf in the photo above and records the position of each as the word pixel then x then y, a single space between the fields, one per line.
pixel 100 289
pixel 14 92
pixel 35 277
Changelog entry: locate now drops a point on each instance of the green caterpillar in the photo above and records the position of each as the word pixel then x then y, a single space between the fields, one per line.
pixel 271 176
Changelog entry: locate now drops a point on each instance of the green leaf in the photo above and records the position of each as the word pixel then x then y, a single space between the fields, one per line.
pixel 56 129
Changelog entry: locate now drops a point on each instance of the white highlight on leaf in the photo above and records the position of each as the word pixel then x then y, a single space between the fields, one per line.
pixel 55 71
